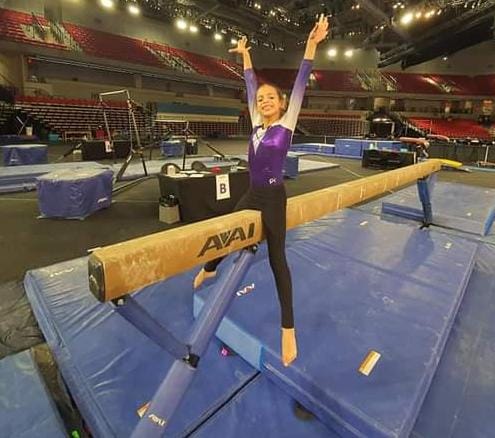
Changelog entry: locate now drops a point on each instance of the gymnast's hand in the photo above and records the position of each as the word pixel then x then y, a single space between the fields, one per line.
pixel 241 47
pixel 319 31
pixel 289 346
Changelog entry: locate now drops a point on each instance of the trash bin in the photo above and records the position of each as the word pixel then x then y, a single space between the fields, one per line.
pixel 169 209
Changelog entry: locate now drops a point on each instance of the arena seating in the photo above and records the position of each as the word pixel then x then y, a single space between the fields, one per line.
pixel 18 26
pixel 190 62
pixel 282 77
pixel 112 46
pixel 335 80
pixel 333 125
pixel 208 65
pixel 456 84
pixel 413 83
pixel 325 80
pixel 455 128
pixel 170 57
pixel 66 116
pixel 202 129
pixel 485 84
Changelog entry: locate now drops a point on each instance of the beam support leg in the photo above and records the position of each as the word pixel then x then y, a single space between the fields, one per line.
pixel 171 391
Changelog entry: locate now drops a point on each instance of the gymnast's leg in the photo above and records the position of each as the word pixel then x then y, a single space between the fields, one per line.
pixel 274 217
pixel 209 270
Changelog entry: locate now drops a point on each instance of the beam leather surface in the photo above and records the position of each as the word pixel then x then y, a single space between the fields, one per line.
pixel 122 268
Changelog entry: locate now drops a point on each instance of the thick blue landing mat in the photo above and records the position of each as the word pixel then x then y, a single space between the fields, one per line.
pixel 360 284
pixel 457 206
pixel 261 410
pixel 461 399
pixel 112 369
pixel 23 178
pixel 459 403
pixel 26 408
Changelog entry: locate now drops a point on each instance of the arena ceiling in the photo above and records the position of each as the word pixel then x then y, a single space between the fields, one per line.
pixel 409 31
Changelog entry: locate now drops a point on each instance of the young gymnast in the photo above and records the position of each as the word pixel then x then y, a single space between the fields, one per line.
pixel 273 125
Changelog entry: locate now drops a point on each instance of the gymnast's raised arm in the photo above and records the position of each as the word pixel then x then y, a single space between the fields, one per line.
pixel 249 77
pixel 317 34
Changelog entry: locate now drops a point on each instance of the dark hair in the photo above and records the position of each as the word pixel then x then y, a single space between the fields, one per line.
pixel 281 95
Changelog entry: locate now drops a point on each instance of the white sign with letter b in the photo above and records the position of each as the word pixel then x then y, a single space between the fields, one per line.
pixel 223 187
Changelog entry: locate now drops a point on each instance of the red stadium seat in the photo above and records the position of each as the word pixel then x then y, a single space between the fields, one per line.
pixel 455 128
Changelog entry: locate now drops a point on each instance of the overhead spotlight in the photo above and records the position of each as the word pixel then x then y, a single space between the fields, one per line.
pixel 109 4
pixel 407 18
pixel 218 36
pixel 349 53
pixel 193 28
pixel 418 14
pixel 445 58
pixel 382 27
pixel 181 23
pixel 332 53
pixel 233 41
pixel 439 12
pixel 133 9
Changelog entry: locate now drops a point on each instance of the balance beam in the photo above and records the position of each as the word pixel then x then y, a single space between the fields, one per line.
pixel 122 268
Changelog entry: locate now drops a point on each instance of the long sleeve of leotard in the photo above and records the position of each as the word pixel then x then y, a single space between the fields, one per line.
pixel 289 119
pixel 252 86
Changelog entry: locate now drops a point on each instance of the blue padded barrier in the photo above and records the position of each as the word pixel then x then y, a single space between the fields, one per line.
pixel 24 154
pixel 349 147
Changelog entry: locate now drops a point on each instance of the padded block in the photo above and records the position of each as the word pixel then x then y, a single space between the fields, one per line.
pixel 69 194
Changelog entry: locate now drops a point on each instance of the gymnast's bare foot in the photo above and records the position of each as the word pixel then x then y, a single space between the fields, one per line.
pixel 202 276
pixel 289 346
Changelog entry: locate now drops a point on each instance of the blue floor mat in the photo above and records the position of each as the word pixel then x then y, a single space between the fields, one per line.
pixel 456 206
pixel 459 402
pixel 26 407
pixel 360 284
pixel 261 409
pixel 112 369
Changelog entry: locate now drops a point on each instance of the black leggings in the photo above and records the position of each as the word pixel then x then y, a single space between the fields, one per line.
pixel 272 202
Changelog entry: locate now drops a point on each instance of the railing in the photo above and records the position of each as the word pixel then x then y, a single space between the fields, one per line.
pixel 38 27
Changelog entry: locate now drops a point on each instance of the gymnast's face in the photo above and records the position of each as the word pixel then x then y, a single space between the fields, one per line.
pixel 269 102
